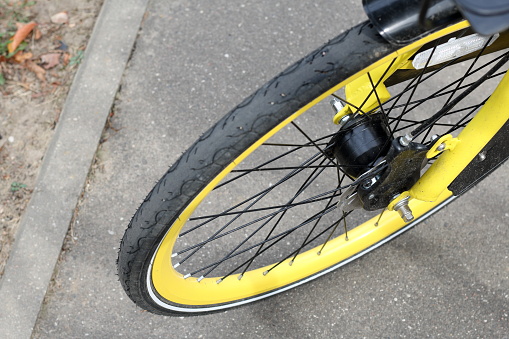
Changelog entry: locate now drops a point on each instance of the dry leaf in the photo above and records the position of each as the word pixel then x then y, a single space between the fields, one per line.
pixel 50 60
pixel 60 18
pixel 67 58
pixel 38 70
pixel 37 33
pixel 24 85
pixel 21 34
pixel 20 57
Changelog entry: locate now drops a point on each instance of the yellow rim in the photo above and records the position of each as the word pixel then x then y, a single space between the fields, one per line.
pixel 172 286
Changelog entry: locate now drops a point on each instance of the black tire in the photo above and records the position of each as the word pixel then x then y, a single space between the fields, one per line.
pixel 262 111
pixel 229 138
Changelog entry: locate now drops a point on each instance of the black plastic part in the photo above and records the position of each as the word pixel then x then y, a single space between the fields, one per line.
pixel 361 142
pixel 486 17
pixel 494 154
pixel 405 164
pixel 398 20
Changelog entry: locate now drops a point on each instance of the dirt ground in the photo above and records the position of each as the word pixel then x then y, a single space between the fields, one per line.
pixel 32 97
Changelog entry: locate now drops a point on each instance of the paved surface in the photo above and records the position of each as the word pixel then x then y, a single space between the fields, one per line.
pixel 66 166
pixel 193 61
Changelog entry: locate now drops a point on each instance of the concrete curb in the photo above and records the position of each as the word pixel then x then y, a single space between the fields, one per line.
pixel 66 166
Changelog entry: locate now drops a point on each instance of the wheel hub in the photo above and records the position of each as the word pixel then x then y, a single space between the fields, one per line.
pixel 361 144
pixel 404 164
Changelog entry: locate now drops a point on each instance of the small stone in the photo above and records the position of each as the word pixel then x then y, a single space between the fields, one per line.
pixel 60 18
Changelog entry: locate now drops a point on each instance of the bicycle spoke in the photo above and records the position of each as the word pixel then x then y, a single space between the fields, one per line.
pixel 269 169
pixel 311 231
pixel 291 145
pixel 317 198
pixel 270 161
pixel 259 195
pixel 417 84
pixel 301 189
pixel 306 184
pixel 410 85
pixel 436 95
pixel 463 122
pixel 472 109
pixel 218 233
pixel 330 235
pixel 274 243
pixel 373 89
pixel 279 237
pixel 300 248
pixel 467 73
pixel 376 94
pixel 313 143
pixel 430 121
pixel 441 92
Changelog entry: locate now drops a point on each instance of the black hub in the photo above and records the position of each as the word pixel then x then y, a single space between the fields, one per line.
pixel 361 142
pixel 364 142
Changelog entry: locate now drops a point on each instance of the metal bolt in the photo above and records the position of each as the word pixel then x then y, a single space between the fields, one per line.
pixel 368 183
pixel 344 120
pixel 441 147
pixel 404 210
pixel 405 140
pixel 482 156
pixel 336 104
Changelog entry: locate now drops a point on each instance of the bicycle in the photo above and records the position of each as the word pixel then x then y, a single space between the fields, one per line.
pixel 280 192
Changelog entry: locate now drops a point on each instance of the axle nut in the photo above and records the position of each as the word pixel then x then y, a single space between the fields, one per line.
pixel 404 210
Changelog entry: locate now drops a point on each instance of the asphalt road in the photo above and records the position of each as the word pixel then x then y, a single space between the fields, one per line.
pixel 193 61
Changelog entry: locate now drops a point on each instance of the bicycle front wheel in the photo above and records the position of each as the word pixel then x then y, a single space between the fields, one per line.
pixel 251 209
